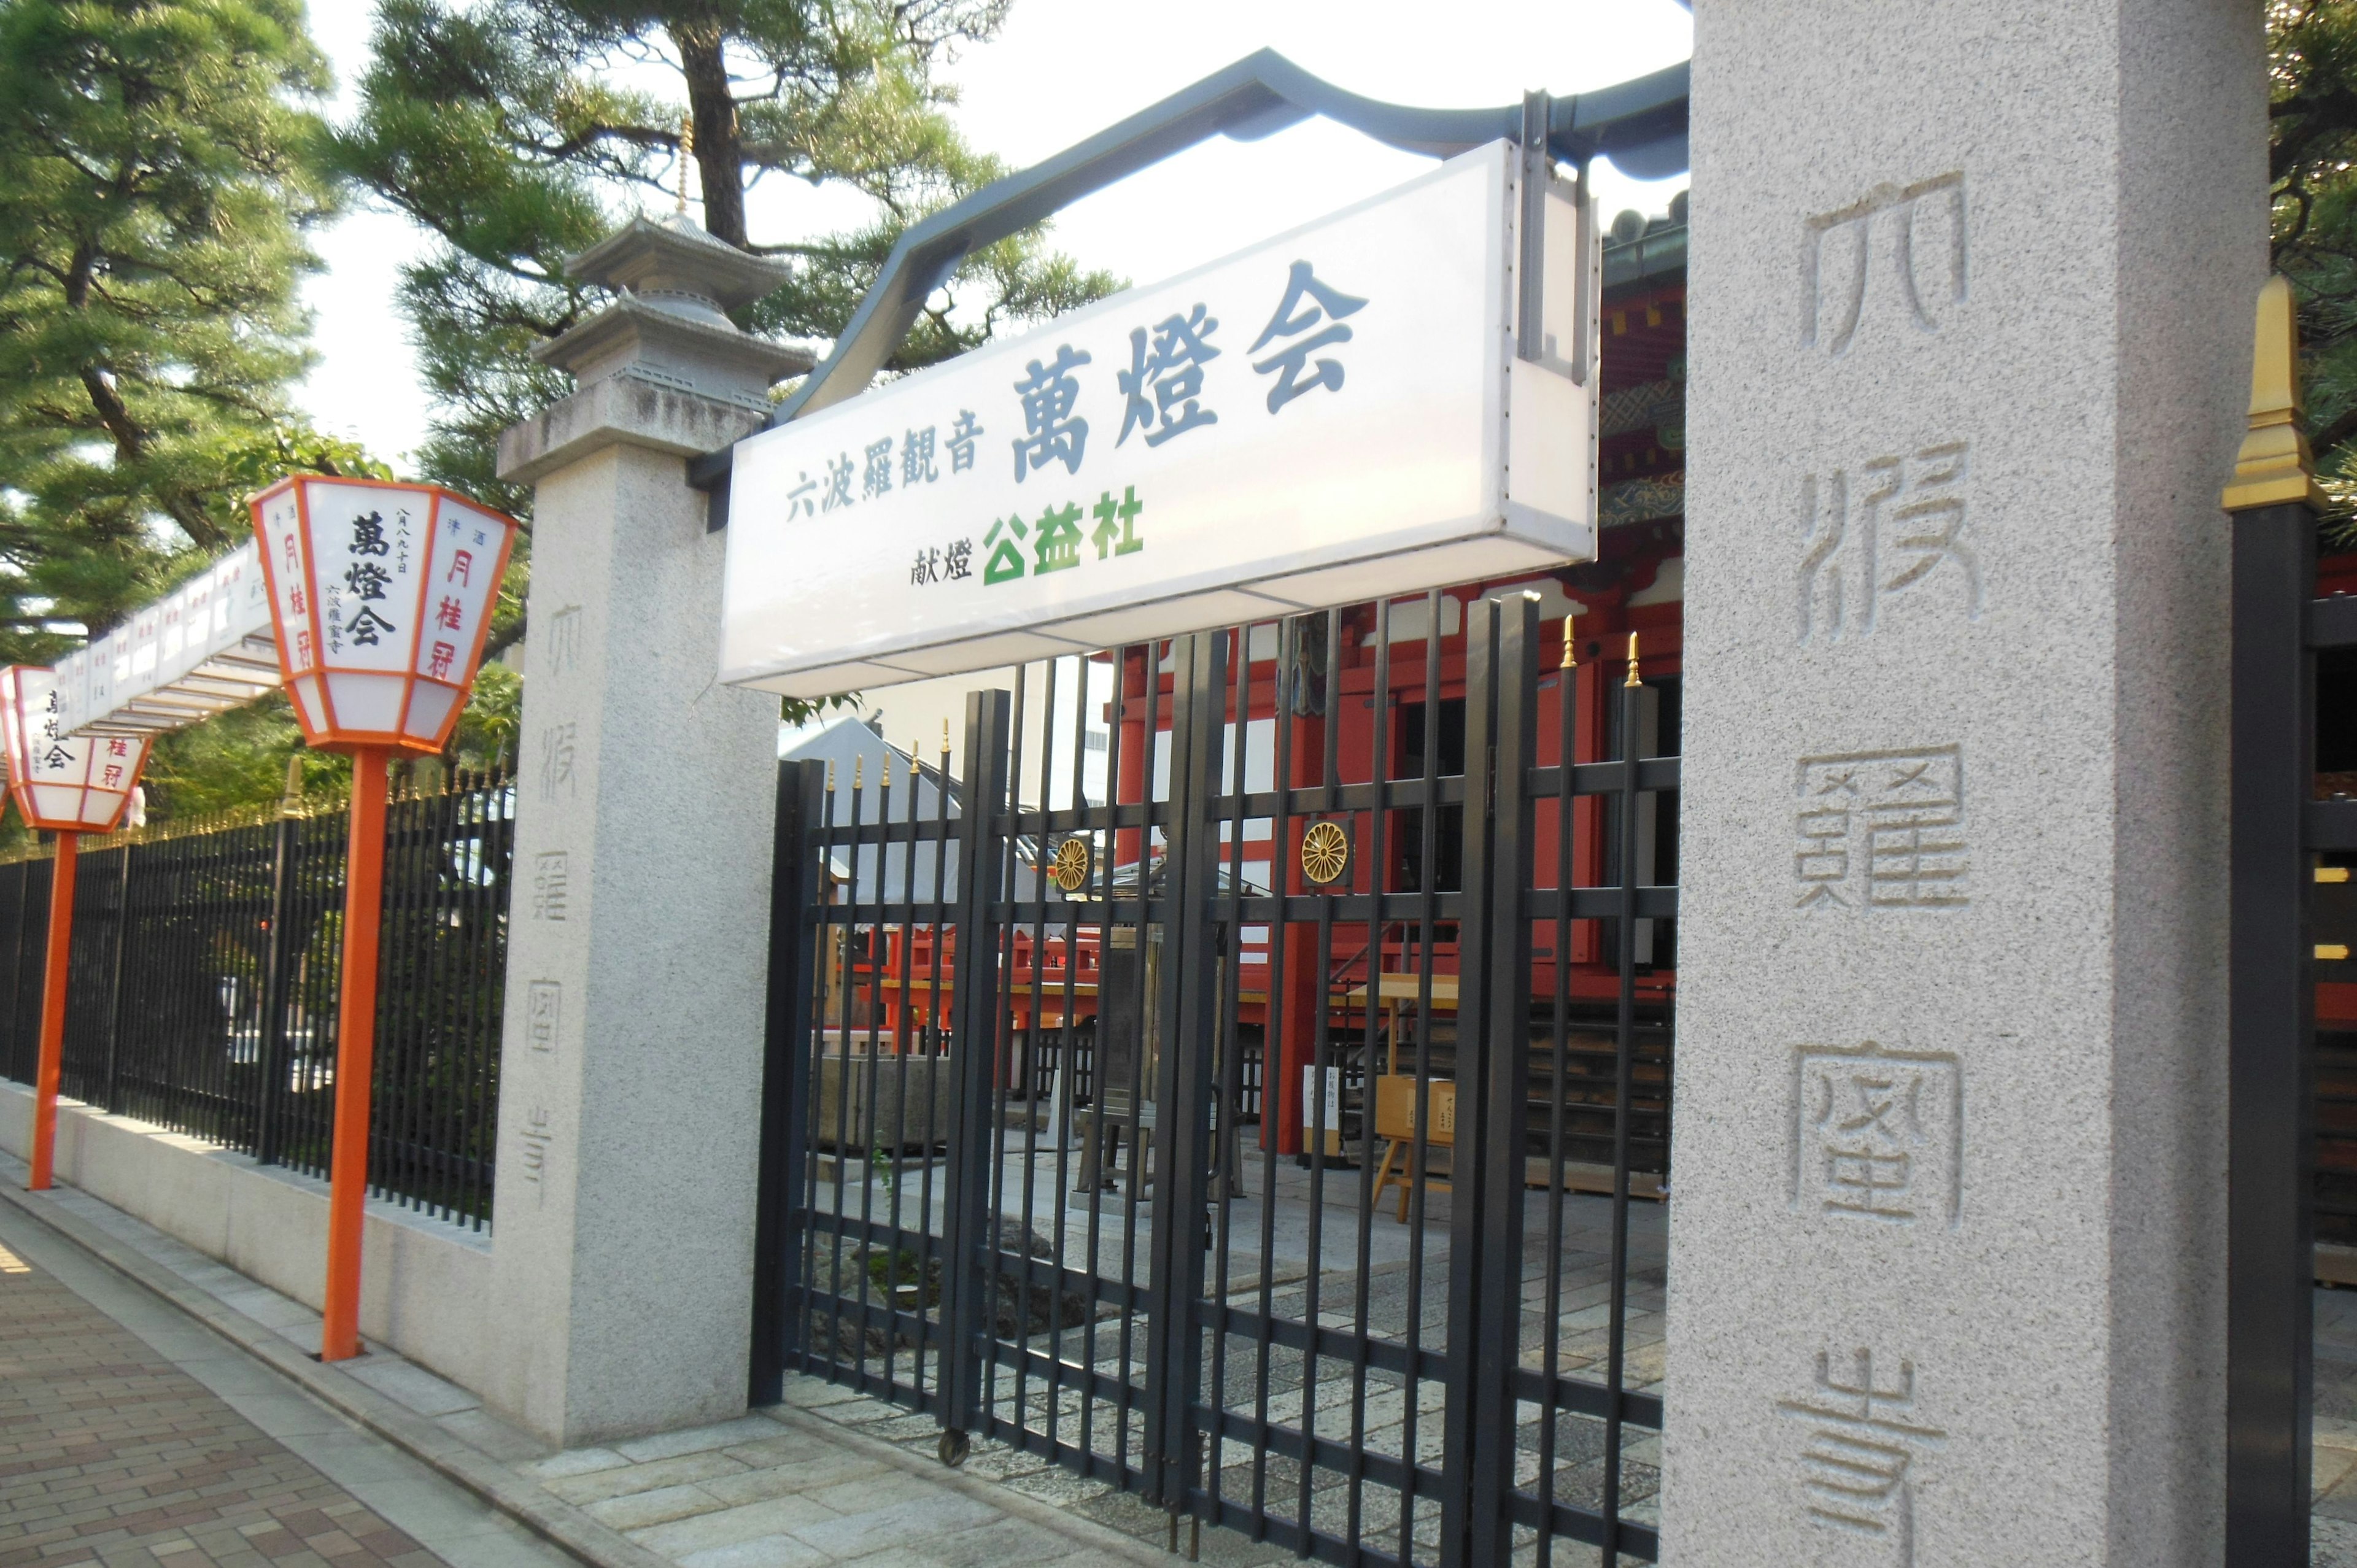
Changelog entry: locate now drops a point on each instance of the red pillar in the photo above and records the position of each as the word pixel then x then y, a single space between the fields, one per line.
pixel 1600 678
pixel 53 1012
pixel 1305 985
pixel 339 1337
pixel 1137 710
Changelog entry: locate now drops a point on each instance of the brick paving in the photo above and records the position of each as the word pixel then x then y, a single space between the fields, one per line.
pixel 111 1455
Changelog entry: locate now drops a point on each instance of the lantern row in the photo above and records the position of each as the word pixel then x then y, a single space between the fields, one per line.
pixel 369 601
pixel 387 591
pixel 203 648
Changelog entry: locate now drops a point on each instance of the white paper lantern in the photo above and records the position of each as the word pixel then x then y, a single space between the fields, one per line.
pixel 381 595
pixel 62 783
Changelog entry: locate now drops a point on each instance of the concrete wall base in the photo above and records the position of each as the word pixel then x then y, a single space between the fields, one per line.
pixel 425 1283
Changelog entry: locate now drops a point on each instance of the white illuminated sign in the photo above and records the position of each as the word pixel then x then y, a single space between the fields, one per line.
pixel 1333 415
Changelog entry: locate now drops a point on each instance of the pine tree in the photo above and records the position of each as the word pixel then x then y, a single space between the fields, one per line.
pixel 157 169
pixel 521 130
pixel 2312 171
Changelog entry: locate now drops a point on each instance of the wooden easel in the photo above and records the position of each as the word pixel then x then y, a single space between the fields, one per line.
pixel 1396 1092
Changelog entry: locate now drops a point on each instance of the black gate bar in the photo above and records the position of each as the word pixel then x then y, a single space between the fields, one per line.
pixel 2276 831
pixel 974 1130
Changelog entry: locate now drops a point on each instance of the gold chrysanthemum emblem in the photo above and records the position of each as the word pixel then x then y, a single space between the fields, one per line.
pixel 1325 854
pixel 1068 868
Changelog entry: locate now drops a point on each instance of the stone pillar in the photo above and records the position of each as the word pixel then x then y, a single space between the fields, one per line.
pixel 1972 289
pixel 622 1245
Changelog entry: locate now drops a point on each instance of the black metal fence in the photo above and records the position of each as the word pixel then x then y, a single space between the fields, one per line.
pixel 203 991
pixel 1397 1307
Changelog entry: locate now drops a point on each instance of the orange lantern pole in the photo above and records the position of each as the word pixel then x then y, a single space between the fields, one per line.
pixel 53 1012
pixel 340 1332
pixel 69 786
pixel 380 596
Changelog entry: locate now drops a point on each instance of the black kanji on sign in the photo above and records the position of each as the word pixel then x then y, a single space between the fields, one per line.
pixel 366 628
pixel 1307 303
pixel 1052 431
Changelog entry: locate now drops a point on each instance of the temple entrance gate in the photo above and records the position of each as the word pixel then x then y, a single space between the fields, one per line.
pixel 1279 1155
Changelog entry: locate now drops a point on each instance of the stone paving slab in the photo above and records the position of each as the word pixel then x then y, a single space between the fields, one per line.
pixel 111 1450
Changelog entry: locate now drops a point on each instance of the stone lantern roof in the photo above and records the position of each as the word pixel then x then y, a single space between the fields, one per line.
pixel 670 324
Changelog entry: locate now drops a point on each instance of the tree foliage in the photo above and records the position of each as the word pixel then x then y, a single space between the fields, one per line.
pixel 519 132
pixel 2312 174
pixel 158 166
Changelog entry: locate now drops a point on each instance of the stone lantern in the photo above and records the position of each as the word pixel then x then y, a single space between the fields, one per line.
pixel 645 803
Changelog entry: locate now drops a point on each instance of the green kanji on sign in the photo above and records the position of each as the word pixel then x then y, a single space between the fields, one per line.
pixel 1006 563
pixel 1122 539
pixel 1055 540
pixel 1058 543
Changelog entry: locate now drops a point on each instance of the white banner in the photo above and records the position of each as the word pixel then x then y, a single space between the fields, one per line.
pixel 1322 1112
pixel 1333 415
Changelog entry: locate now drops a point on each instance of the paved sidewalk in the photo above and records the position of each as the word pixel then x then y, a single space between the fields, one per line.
pixel 2334 1520
pixel 828 1477
pixel 129 1436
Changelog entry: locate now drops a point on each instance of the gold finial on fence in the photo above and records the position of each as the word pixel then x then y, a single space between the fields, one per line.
pixel 1632 679
pixel 888 768
pixel 686 151
pixel 290 802
pixel 2275 466
pixel 830 777
pixel 945 737
pixel 1570 646
pixel 858 771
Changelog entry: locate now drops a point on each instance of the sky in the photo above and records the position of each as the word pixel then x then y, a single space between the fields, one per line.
pixel 1060 70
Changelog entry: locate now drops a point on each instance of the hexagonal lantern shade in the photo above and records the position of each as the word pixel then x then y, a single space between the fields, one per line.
pixel 381 595
pixel 67 784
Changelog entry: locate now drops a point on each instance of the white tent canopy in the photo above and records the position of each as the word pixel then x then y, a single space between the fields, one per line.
pixel 203 648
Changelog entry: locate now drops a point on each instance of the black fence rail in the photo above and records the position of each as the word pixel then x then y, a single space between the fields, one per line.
pixel 202 989
pixel 1192 1133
